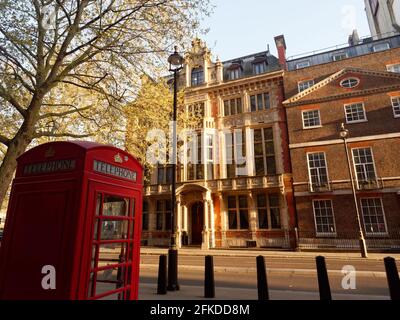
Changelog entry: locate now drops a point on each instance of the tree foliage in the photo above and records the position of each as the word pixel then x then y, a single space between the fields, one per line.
pixel 68 67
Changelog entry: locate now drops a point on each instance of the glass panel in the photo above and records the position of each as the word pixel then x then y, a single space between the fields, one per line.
pixel 232 219
pixel 115 206
pixel 113 253
pixel 243 202
pixel 244 219
pixel 114 230
pixel 253 103
pixel 261 201
pixel 262 219
pixel 260 101
pixel 110 279
pixel 232 202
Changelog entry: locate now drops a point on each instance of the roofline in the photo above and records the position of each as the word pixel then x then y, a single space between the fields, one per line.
pixel 333 77
pixel 245 57
pixel 264 76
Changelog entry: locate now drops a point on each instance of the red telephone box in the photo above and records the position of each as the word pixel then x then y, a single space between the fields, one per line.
pixel 74 207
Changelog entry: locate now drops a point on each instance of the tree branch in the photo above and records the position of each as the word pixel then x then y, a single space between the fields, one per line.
pixel 61 135
pixel 6 96
pixel 4 140
pixel 62 114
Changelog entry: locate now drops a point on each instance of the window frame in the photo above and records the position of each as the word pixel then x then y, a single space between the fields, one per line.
pixel 318 169
pixel 164 215
pixel 303 64
pixel 396 108
pixel 227 104
pixel 326 234
pixel 349 80
pixel 391 67
pixel 199 71
pixel 231 150
pixel 363 164
pixel 268 209
pixel 311 127
pixel 259 68
pixel 238 210
pixel 265 155
pixel 234 73
pixel 381 44
pixel 355 121
pixel 335 55
pixel 145 212
pixel 369 233
pixel 303 82
pixel 265 106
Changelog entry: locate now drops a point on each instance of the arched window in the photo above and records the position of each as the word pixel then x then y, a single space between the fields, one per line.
pixel 197 76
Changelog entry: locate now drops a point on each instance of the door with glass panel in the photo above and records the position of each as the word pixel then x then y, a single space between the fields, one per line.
pixel 112 248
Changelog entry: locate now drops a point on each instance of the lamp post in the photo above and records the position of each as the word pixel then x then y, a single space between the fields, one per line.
pixel 344 134
pixel 175 61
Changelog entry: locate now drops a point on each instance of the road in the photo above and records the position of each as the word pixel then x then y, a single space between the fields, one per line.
pixel 288 278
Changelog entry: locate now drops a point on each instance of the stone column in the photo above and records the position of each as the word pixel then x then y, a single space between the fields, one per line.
pixel 223 219
pixel 252 216
pixel 206 234
pixel 178 225
pixel 212 224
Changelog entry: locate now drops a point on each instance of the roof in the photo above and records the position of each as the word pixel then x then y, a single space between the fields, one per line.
pixel 247 70
pixel 384 82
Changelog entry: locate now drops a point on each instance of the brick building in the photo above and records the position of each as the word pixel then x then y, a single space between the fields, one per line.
pixel 221 201
pixel 359 86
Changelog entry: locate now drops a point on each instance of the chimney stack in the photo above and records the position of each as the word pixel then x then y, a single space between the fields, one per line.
pixel 281 46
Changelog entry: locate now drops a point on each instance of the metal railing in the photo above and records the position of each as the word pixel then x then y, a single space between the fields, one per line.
pixel 347 240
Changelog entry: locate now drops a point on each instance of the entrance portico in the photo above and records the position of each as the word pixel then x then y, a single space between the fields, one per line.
pixel 195 216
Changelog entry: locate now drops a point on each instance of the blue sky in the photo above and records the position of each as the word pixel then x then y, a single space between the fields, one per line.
pixel 241 27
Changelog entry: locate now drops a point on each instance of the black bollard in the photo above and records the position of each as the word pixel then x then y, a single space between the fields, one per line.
pixel 173 270
pixel 162 275
pixel 262 284
pixel 323 280
pixel 209 283
pixel 393 278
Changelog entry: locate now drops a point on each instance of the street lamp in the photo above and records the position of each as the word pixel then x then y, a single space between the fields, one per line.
pixel 175 61
pixel 344 134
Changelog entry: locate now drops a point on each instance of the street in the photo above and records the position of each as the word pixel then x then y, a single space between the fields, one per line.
pixel 288 278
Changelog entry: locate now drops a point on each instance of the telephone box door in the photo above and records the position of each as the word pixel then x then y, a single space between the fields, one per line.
pixel 114 241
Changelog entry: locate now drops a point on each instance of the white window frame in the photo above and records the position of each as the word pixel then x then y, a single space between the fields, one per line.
pixel 355 168
pixel 303 64
pixel 381 44
pixel 234 74
pixel 396 106
pixel 321 234
pixel 355 121
pixel 260 67
pixel 309 84
pixel 312 127
pixel 309 169
pixel 263 98
pixel 335 55
pixel 392 67
pixel 369 233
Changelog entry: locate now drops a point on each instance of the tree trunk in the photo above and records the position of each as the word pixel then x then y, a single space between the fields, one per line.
pixel 18 145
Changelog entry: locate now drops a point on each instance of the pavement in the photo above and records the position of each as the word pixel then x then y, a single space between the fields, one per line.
pixel 148 291
pixel 268 253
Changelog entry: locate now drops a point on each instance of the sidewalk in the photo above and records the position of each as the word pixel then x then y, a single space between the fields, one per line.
pixel 149 292
pixel 268 253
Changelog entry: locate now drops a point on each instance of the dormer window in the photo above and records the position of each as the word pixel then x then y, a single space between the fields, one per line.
pixel 234 71
pixel 197 76
pixel 260 64
pixel 381 47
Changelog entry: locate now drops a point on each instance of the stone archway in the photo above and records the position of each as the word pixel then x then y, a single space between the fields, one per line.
pixel 194 204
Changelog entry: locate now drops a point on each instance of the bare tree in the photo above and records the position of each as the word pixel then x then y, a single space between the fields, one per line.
pixel 68 67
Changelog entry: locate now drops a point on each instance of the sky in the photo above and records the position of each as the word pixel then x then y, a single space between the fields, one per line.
pixel 241 27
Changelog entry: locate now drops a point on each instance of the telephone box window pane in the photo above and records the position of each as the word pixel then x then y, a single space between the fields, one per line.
pixel 131 228
pixel 115 206
pixel 92 264
pixel 96 227
pixel 110 279
pixel 110 254
pixel 114 230
pixel 98 204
